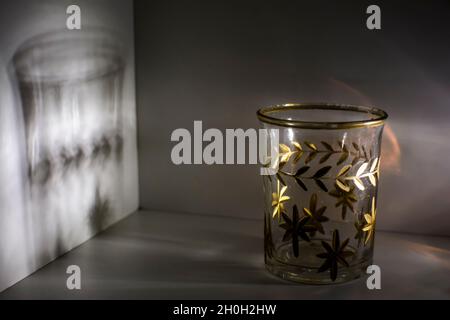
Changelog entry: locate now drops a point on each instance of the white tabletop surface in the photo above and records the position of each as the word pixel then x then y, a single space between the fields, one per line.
pixel 156 255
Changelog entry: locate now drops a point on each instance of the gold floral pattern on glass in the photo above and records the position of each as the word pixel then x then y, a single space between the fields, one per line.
pixel 370 218
pixel 334 254
pixel 349 178
pixel 277 200
pixel 329 170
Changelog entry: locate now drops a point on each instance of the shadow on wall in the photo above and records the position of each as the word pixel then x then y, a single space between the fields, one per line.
pixel 69 113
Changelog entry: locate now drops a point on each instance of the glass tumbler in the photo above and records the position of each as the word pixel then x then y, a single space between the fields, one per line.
pixel 321 201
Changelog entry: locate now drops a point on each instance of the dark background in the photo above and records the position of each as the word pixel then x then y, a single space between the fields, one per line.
pixel 219 61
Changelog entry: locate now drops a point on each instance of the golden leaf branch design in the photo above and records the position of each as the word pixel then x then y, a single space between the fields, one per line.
pixel 346 168
pixel 368 170
pixel 355 152
pixel 364 171
pixel 317 176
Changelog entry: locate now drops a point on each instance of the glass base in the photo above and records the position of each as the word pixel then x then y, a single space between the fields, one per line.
pixel 304 269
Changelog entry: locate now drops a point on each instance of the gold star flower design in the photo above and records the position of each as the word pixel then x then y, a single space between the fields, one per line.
pixel 277 200
pixel 345 199
pixel 370 219
pixel 316 214
pixel 334 255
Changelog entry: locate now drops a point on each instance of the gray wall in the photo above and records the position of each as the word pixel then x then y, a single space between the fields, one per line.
pixel 219 61
pixel 38 224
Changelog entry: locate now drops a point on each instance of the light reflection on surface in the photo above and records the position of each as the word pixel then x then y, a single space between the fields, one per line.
pixel 434 254
pixel 413 162
pixel 390 147
pixel 390 151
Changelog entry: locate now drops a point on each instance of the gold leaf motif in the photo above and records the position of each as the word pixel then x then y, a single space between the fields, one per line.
pixel 321 172
pixel 321 185
pixel 285 153
pixel 343 186
pixel 358 183
pixel 298 152
pixel 325 157
pixel 301 184
pixel 361 169
pixel 311 145
pixel 342 180
pixel 344 170
pixel 277 200
pixel 372 180
pixel 365 154
pixel 374 165
pixel 297 157
pixel 371 220
pixel 342 158
pixel 361 173
pixel 301 171
pixel 284 148
pixel 297 146
pixel 310 157
pixel 327 145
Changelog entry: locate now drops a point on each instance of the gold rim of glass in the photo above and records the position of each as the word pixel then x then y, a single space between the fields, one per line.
pixel 377 116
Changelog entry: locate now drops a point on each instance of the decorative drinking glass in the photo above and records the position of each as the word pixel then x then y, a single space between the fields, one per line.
pixel 321 203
